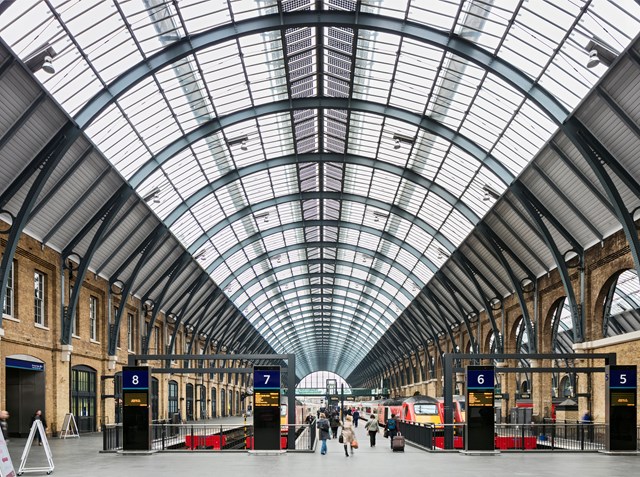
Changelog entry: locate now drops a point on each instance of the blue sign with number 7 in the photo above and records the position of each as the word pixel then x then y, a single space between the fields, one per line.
pixel 266 377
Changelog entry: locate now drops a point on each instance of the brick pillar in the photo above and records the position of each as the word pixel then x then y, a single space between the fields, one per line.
pixel 541 390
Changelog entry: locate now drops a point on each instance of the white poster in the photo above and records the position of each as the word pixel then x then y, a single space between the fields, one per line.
pixel 6 466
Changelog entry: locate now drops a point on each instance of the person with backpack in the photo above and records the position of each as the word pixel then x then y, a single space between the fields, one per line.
pixel 323 427
pixel 373 428
pixel 334 422
pixel 391 426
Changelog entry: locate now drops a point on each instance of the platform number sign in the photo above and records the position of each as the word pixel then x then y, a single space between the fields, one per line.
pixel 135 378
pixel 622 377
pixel 266 377
pixel 480 377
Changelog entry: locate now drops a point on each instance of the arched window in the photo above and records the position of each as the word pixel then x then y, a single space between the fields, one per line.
pixel 83 398
pixel 223 403
pixel 621 310
pixel 214 394
pixel 230 404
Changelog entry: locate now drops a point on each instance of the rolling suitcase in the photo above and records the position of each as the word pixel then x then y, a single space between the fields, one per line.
pixel 397 443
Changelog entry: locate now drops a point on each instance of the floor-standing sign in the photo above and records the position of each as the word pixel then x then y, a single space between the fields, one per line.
pixel 622 389
pixel 6 466
pixel 136 412
pixel 479 435
pixel 266 407
pixel 36 427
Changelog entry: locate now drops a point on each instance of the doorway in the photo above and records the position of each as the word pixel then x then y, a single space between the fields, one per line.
pixel 25 391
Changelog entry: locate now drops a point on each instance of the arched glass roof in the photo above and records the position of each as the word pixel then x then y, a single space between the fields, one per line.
pixel 320 159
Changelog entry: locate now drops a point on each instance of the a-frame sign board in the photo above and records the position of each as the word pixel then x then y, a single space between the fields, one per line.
pixel 69 427
pixel 37 426
pixel 6 466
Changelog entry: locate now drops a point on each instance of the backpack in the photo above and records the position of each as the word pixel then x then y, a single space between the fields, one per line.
pixel 391 424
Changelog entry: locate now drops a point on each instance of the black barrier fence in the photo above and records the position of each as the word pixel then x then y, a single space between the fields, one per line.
pixel 208 437
pixel 564 436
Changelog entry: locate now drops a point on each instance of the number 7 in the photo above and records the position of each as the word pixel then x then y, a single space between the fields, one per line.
pixel 266 378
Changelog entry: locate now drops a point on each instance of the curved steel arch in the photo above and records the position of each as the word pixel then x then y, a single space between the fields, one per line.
pixel 374 254
pixel 238 174
pixel 338 309
pixel 319 19
pixel 317 261
pixel 249 210
pixel 348 278
pixel 423 122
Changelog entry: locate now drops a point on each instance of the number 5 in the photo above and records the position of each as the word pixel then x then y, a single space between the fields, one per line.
pixel 623 379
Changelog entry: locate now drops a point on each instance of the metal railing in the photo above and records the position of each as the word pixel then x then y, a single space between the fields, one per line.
pixel 201 437
pixel 575 437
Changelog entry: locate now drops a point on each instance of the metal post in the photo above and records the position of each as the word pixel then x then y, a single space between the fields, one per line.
pixel 448 400
pixel 291 400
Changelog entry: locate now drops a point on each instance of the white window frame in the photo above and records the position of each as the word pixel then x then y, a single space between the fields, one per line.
pixel 130 324
pixel 93 318
pixel 8 307
pixel 38 298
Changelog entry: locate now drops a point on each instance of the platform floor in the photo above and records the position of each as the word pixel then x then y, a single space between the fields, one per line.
pixel 81 457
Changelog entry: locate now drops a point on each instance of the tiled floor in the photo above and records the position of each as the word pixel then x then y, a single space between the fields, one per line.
pixel 81 457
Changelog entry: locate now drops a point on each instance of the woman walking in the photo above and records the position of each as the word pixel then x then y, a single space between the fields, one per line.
pixel 348 434
pixel 373 427
pixel 323 427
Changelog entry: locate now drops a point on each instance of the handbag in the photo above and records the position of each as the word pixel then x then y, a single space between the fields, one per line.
pixel 354 444
pixel 386 434
pixel 341 439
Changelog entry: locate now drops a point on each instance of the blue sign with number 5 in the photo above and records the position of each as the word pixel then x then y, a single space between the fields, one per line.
pixel 624 377
pixel 135 378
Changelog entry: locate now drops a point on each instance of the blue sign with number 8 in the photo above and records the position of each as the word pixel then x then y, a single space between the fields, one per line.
pixel 135 378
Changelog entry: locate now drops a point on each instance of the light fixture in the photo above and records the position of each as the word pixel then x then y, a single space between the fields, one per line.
pixel 398 139
pixel 264 216
pixel 47 65
pixel 442 253
pixel 201 255
pixel 379 215
pixel 600 52
pixel 152 196
pixel 489 193
pixel 238 141
pixel 41 59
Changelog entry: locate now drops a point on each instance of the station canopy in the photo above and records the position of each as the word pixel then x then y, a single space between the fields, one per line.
pixel 320 160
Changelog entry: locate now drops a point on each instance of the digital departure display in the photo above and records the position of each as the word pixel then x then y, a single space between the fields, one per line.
pixel 135 399
pixel 623 399
pixel 480 399
pixel 266 399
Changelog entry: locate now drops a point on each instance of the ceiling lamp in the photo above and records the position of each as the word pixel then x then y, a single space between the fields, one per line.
pixel 47 65
pixel 397 144
pixel 398 139
pixel 489 193
pixel 243 145
pixel 41 59
pixel 600 52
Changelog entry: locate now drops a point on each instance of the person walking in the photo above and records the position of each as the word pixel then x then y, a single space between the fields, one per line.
pixel 391 426
pixel 334 422
pixel 348 435
pixel 373 428
pixel 38 416
pixel 323 427
pixel 356 416
pixel 4 425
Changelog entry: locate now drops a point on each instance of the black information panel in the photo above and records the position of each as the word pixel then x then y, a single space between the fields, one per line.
pixel 136 411
pixel 480 411
pixel 266 407
pixel 622 389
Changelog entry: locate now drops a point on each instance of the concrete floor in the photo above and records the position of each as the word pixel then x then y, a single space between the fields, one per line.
pixel 81 457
